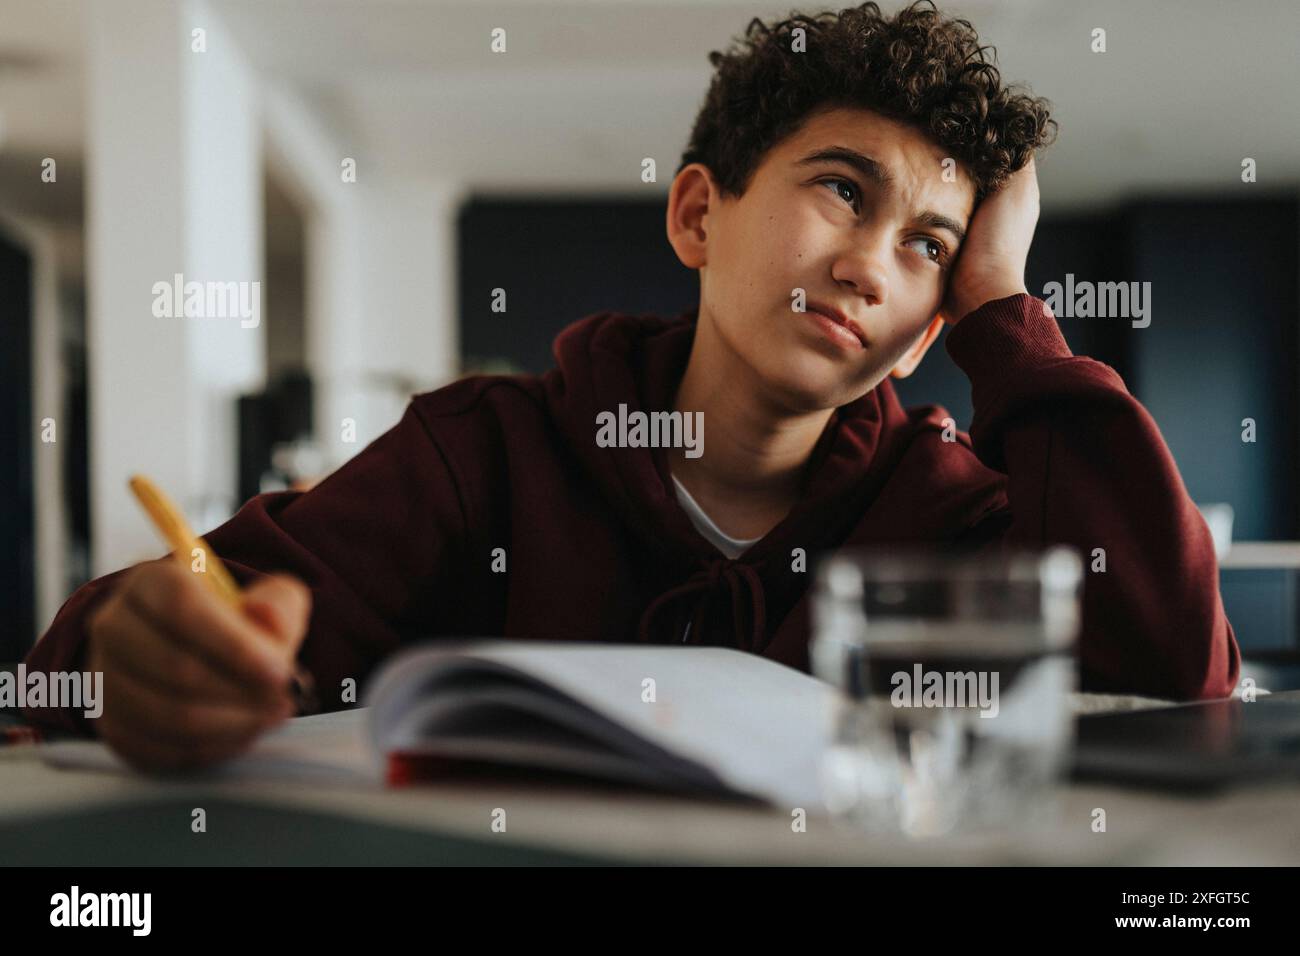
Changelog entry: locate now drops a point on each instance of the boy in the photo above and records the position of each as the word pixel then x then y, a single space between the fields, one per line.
pixel 853 182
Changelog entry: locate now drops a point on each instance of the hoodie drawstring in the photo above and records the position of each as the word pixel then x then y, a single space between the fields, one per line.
pixel 738 577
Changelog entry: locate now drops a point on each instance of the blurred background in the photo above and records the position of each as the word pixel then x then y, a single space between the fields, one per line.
pixel 379 170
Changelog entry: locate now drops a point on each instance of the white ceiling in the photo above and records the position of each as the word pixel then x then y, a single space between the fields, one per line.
pixel 587 89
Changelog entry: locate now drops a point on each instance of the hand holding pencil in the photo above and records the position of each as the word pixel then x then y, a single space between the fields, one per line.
pixel 194 669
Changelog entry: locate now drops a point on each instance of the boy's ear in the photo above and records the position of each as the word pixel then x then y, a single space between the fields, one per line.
pixel 688 206
pixel 912 357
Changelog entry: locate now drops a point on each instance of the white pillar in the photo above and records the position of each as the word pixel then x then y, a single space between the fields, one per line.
pixel 402 336
pixel 173 186
pixel 381 276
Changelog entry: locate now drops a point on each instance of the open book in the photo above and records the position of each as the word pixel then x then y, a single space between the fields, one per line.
pixel 705 720
pixel 695 719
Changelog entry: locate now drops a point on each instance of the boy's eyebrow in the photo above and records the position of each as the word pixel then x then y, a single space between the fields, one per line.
pixel 867 167
pixel 875 172
pixel 939 221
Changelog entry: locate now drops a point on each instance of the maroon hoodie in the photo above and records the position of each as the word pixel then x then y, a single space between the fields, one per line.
pixel 401 542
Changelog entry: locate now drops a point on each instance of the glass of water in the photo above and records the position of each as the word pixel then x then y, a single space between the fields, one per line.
pixel 955 673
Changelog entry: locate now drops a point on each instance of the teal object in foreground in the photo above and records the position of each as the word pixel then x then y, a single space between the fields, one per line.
pixel 244 834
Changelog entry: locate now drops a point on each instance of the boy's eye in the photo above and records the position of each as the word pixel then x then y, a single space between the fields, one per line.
pixel 846 189
pixel 932 246
pixel 852 190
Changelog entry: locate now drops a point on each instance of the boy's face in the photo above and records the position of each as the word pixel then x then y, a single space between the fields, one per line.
pixel 876 242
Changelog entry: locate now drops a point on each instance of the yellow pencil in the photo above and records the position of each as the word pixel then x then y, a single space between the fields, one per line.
pixel 169 521
pixel 174 529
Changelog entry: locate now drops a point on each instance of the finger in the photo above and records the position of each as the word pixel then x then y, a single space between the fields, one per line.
pixel 157 756
pixel 177 602
pixel 157 715
pixel 1027 175
pixel 281 605
pixel 149 714
pixel 132 643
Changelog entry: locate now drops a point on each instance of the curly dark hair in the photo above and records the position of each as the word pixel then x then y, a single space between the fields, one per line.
pixel 918 67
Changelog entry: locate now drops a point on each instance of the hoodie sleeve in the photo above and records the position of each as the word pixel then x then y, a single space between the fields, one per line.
pixel 378 542
pixel 1086 466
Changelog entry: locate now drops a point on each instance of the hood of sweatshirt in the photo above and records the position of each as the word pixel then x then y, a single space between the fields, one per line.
pixel 608 360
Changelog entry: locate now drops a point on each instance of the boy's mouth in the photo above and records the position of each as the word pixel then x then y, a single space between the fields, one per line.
pixel 845 330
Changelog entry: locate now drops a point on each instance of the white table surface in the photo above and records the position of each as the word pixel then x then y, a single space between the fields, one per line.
pixel 1255 825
